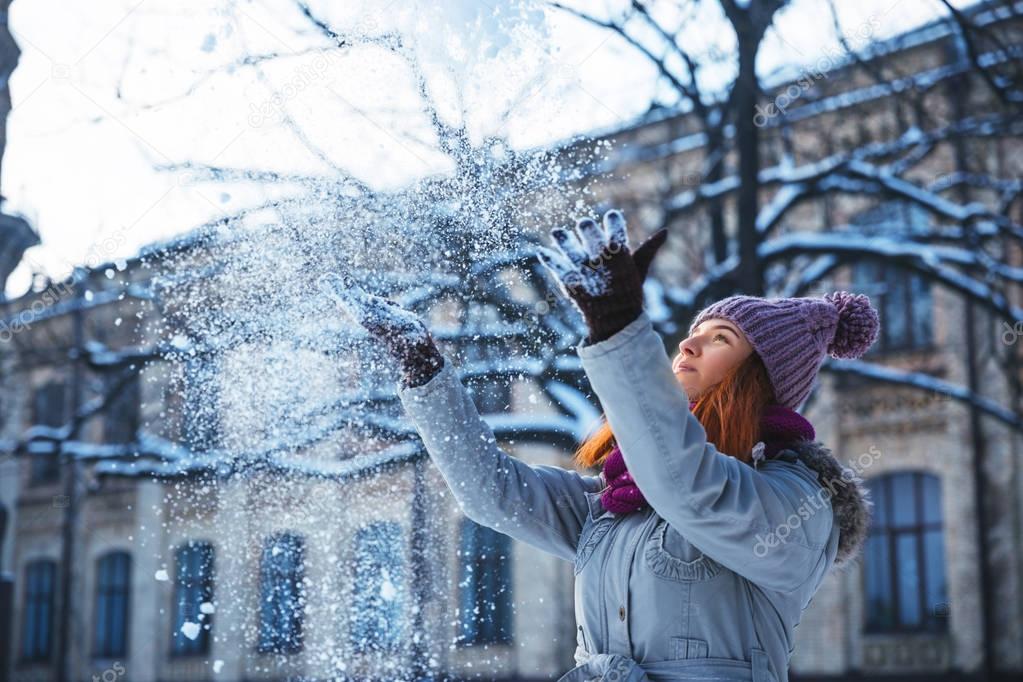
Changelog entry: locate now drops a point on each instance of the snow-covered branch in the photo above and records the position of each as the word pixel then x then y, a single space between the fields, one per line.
pixel 926 261
pixel 923 382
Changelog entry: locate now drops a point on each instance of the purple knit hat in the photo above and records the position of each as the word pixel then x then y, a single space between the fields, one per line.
pixel 792 335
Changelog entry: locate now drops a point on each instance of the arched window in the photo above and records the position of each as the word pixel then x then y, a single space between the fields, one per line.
pixel 484 585
pixel 282 594
pixel 193 599
pixel 902 297
pixel 201 425
pixel 121 418
pixel 904 567
pixel 37 614
pixel 49 409
pixel 379 592
pixel 113 591
pixel 483 358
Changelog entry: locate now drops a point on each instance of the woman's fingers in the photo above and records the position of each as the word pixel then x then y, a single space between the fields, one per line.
pixel 593 238
pixel 617 235
pixel 564 271
pixel 568 242
pixel 341 288
pixel 556 262
pixel 377 314
pixel 387 318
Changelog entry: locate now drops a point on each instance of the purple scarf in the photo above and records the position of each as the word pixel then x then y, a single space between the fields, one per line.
pixel 779 426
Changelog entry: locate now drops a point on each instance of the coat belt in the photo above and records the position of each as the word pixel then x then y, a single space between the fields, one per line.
pixel 620 668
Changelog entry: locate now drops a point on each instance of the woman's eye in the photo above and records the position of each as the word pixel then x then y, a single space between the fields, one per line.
pixel 719 336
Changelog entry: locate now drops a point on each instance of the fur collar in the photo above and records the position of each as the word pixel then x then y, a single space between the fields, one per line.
pixel 850 498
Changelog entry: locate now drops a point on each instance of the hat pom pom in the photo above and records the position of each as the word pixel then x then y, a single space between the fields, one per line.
pixel 858 324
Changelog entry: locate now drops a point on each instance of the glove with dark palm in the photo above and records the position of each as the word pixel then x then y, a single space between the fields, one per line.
pixel 598 272
pixel 407 339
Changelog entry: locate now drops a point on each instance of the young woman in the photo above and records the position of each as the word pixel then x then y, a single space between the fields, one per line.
pixel 716 515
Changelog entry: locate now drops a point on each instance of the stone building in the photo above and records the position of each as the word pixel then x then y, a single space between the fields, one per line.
pixel 191 567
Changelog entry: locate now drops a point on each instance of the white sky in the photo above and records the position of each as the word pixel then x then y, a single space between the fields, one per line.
pixel 107 91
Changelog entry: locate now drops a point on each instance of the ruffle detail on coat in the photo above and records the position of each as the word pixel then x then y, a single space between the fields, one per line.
pixel 597 531
pixel 667 566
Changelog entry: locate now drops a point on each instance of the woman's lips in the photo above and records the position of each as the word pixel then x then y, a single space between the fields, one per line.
pixel 679 367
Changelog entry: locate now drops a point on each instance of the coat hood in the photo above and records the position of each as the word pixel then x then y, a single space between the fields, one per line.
pixel 850 498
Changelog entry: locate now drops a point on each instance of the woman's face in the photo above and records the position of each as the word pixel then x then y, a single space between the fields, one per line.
pixel 715 346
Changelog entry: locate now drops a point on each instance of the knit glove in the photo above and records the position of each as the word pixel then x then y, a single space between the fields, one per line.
pixel 406 337
pixel 599 273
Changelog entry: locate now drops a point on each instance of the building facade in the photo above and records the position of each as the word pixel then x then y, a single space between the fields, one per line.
pixel 149 549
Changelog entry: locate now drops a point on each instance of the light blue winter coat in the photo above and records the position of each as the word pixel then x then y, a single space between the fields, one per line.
pixel 710 580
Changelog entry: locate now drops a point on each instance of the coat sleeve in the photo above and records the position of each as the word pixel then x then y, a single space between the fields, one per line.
pixel 771 525
pixel 541 505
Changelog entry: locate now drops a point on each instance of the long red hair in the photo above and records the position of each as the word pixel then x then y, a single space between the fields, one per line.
pixel 729 412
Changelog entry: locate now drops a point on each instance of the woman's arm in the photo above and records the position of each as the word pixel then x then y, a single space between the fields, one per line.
pixel 771 526
pixel 540 505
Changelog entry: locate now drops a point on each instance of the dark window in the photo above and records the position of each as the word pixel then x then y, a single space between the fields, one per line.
pixel 902 297
pixel 904 305
pixel 49 408
pixel 193 599
pixel 282 594
pixel 113 590
pixel 492 392
pixel 904 568
pixel 37 616
pixel 122 415
pixel 484 586
pixel 379 588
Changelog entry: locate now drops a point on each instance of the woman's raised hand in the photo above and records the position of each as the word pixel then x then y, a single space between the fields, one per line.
pixel 407 339
pixel 599 273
